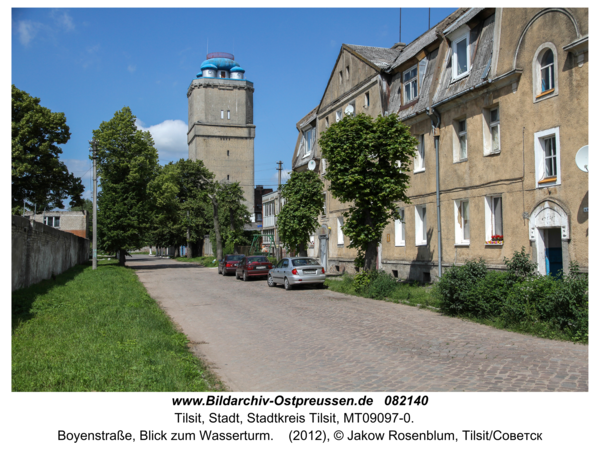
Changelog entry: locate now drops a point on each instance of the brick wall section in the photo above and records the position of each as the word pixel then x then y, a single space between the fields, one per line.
pixel 40 251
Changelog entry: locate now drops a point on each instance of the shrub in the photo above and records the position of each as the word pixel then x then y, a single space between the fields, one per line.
pixel 382 285
pixel 361 281
pixel 520 266
pixel 454 286
pixel 487 296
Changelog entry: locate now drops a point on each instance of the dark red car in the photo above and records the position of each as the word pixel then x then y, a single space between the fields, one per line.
pixel 228 264
pixel 252 266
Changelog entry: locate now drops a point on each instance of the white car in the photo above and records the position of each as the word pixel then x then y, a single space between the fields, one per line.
pixel 296 270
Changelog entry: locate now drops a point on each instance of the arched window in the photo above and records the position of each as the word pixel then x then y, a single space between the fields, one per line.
pixel 547 71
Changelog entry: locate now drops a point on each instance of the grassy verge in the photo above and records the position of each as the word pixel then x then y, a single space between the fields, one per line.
pixel 411 294
pixel 99 331
pixel 205 261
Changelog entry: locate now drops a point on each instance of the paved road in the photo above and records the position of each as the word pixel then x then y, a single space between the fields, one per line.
pixel 258 338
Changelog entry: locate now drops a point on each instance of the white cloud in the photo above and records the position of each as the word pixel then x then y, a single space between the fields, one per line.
pixel 285 175
pixel 170 138
pixel 131 68
pixel 27 31
pixel 63 20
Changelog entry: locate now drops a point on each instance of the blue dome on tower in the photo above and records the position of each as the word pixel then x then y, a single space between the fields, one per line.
pixel 219 65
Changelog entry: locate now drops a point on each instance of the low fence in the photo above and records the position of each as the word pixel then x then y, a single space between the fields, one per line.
pixel 40 251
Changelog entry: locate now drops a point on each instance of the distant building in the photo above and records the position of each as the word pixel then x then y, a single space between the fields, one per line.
pixel 259 191
pixel 75 222
pixel 220 121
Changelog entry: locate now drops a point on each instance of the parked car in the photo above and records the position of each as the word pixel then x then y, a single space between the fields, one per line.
pixel 228 264
pixel 297 270
pixel 253 266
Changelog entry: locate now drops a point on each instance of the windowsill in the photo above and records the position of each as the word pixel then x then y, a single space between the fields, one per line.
pixel 548 180
pixel 420 244
pixel 462 161
pixel 466 244
pixel 460 77
pixel 422 170
pixel 340 246
pixel 545 93
pixel 400 245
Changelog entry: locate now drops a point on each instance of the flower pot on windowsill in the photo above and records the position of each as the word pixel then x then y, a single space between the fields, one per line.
pixel 494 242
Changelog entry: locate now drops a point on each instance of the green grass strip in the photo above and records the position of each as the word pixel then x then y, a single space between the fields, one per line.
pixel 99 330
pixel 205 261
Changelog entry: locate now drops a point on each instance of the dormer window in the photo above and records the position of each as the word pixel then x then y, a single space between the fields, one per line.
pixel 461 58
pixel 409 79
pixel 308 142
pixel 547 71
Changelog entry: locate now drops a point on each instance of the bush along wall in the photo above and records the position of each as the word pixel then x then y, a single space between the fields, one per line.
pixel 520 298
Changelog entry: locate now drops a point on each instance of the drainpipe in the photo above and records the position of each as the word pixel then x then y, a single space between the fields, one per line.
pixel 436 134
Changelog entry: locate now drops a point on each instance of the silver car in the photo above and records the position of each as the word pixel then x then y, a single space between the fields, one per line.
pixel 296 270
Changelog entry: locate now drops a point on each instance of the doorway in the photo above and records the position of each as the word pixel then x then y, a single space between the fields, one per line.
pixel 553 254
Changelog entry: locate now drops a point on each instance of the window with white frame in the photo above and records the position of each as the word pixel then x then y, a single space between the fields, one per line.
pixel 52 221
pixel 228 114
pixel 460 140
pixel 462 222
pixel 324 203
pixel 409 80
pixel 493 219
pixel 338 116
pixel 323 164
pixel 420 225
pixel 222 114
pixel 308 141
pixel 400 229
pixel 367 100
pixel 547 71
pixel 340 233
pixel 491 131
pixel 547 157
pixel 420 155
pixel 461 63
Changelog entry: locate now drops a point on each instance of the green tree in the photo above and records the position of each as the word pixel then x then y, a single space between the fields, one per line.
pixel 127 163
pixel 233 213
pixel 38 176
pixel 180 197
pixel 303 194
pixel 365 157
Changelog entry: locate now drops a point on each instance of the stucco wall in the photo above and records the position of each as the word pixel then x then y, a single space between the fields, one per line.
pixel 40 251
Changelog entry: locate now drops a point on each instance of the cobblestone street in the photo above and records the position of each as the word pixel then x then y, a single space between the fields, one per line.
pixel 258 338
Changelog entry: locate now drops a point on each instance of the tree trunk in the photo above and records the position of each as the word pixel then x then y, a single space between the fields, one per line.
pixel 301 251
pixel 188 248
pixel 371 256
pixel 121 257
pixel 217 230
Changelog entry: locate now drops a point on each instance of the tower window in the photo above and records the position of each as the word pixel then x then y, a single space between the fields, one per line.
pixel 221 114
pixel 228 114
pixel 228 177
pixel 227 153
pixel 223 74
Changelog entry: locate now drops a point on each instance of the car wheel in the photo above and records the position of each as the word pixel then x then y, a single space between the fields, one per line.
pixel 320 286
pixel 223 273
pixel 270 281
pixel 236 276
pixel 287 284
pixel 245 276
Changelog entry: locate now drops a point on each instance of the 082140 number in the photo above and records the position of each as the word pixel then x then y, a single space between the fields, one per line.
pixel 403 400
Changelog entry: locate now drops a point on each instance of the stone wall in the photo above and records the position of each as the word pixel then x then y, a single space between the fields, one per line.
pixel 40 251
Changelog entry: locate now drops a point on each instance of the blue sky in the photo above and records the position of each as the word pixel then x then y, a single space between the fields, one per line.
pixel 89 63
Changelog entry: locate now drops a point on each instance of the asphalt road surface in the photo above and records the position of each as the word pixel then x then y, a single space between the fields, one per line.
pixel 257 338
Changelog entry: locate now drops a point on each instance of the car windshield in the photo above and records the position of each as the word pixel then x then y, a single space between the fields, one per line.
pixel 300 262
pixel 258 259
pixel 235 257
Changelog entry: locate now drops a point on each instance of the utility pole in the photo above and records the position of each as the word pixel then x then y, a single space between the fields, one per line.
pixel 279 163
pixel 94 145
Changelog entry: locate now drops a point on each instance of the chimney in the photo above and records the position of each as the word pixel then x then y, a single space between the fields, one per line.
pixel 399 46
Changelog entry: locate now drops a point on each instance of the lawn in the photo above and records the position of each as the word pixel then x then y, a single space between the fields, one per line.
pixel 99 331
pixel 205 261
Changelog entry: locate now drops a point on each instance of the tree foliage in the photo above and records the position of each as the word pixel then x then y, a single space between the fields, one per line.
pixel 127 163
pixel 179 195
pixel 233 213
pixel 365 158
pixel 38 176
pixel 303 194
